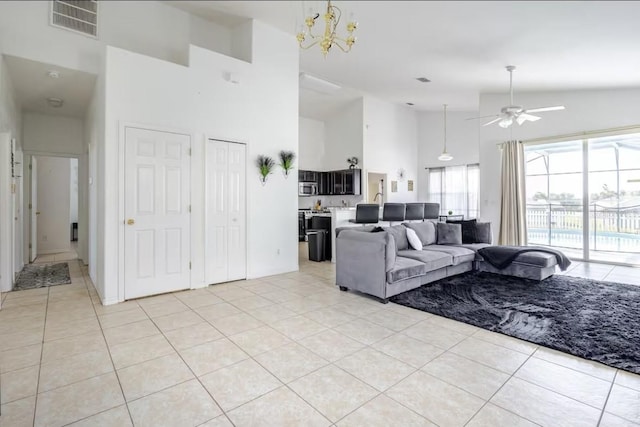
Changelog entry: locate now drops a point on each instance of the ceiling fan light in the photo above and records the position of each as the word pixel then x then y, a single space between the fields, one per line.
pixel 506 122
pixel 521 119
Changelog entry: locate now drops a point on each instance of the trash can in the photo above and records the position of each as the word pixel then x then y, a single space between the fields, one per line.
pixel 317 239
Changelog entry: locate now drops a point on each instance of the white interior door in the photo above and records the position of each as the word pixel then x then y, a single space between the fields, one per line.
pixel 157 223
pixel 237 242
pixel 226 212
pixel 33 251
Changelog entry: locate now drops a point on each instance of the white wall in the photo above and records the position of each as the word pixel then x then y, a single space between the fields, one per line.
pixel 311 141
pixel 47 134
pixel 54 232
pixel 11 252
pixel 462 142
pixel 585 111
pixel 343 137
pixel 262 110
pixel 73 190
pixel 148 27
pixel 390 143
pixel 94 134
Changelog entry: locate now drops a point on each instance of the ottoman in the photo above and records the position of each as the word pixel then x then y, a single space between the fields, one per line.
pixel 529 265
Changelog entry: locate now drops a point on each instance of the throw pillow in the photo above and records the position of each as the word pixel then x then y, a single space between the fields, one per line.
pixel 449 234
pixel 414 240
pixel 426 231
pixel 469 234
pixel 399 233
pixel 483 232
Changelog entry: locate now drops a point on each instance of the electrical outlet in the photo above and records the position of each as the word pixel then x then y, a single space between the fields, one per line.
pixel 278 251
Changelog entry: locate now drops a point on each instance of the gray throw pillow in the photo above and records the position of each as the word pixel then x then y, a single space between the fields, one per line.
pixel 449 234
pixel 483 232
pixel 426 231
pixel 399 233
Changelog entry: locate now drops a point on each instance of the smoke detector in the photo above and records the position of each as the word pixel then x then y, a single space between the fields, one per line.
pixel 53 74
pixel 55 102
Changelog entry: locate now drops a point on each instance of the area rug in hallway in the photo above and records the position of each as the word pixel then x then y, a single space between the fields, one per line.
pixel 588 318
pixel 40 275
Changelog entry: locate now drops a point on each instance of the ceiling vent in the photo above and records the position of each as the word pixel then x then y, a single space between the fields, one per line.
pixel 80 16
pixel 423 80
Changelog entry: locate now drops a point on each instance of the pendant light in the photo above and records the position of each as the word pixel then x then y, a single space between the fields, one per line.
pixel 445 157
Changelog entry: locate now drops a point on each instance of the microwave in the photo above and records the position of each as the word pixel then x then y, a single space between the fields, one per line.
pixel 307 189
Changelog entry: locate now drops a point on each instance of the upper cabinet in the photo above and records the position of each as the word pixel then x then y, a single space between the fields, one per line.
pixel 343 182
pixel 307 176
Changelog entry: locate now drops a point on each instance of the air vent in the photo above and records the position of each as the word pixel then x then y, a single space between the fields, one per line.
pixel 411 104
pixel 80 16
pixel 423 80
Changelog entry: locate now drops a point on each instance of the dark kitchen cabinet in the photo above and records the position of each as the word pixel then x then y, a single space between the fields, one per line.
pixel 325 183
pixel 307 176
pixel 343 182
pixel 347 182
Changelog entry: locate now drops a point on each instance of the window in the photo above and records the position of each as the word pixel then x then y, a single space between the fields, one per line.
pixel 584 196
pixel 456 188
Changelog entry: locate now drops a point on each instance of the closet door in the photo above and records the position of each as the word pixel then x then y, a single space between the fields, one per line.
pixel 225 224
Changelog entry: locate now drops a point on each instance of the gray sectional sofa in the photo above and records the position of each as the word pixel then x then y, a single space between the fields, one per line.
pixel 383 264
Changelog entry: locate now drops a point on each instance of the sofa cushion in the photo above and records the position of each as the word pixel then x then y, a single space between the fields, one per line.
pixel 539 259
pixel 399 233
pixel 414 240
pixel 458 253
pixel 483 232
pixel 474 247
pixel 405 268
pixel 449 234
pixel 426 231
pixel 468 230
pixel 431 259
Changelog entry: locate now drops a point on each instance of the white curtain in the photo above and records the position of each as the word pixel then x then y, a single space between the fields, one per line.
pixel 513 223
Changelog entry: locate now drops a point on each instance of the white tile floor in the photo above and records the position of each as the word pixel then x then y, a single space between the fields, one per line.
pixel 286 350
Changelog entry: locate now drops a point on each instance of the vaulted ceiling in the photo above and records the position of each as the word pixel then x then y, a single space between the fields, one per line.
pixel 463 46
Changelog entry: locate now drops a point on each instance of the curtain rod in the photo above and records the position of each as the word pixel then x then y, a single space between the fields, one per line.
pixel 570 136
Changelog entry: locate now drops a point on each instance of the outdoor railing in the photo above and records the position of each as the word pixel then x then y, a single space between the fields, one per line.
pixel 610 229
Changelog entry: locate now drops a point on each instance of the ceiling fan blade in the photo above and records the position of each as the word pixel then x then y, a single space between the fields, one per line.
pixel 492 121
pixel 542 109
pixel 482 117
pixel 523 117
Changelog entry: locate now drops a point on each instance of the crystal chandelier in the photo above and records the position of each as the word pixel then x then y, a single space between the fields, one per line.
pixel 329 38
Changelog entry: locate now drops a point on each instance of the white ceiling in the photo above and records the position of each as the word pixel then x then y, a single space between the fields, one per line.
pixel 463 46
pixel 33 86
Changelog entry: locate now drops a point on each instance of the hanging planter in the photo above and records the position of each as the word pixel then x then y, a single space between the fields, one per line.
pixel 265 164
pixel 286 161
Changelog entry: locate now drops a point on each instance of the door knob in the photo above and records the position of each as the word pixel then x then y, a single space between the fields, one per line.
pixel 38 213
pixel 130 221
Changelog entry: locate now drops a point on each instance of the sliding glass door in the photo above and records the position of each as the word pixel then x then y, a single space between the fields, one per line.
pixel 583 196
pixel 554 195
pixel 614 198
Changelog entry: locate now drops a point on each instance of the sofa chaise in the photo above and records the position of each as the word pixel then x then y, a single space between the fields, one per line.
pixel 403 257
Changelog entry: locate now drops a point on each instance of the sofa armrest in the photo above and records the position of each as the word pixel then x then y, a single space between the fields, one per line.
pixel 361 261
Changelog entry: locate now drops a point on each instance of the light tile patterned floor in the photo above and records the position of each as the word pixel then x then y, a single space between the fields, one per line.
pixel 286 350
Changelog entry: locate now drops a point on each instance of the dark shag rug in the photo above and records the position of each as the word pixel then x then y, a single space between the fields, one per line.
pixel 588 318
pixel 39 275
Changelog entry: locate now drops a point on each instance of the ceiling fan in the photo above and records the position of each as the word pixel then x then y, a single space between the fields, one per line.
pixel 511 112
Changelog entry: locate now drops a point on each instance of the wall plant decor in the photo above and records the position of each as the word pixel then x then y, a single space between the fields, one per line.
pixel 265 165
pixel 286 161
